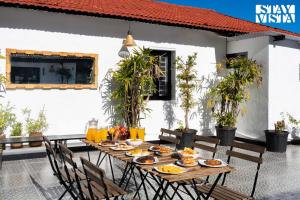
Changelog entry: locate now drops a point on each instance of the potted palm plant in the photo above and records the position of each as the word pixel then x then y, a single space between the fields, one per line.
pixel 16 131
pixel 7 118
pixel 134 82
pixel 230 92
pixel 276 140
pixel 35 127
pixel 187 81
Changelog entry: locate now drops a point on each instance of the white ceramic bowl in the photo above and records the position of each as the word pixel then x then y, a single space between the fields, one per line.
pixel 136 142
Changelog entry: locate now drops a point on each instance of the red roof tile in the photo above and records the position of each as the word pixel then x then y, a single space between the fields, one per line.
pixel 150 11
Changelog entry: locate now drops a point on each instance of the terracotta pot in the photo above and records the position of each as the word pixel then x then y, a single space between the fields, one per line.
pixel 2 136
pixel 16 145
pixel 35 134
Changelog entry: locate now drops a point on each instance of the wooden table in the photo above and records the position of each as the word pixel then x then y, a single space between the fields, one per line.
pixel 163 180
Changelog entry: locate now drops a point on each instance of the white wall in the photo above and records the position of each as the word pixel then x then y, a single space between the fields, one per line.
pixel 253 123
pixel 68 110
pixel 284 80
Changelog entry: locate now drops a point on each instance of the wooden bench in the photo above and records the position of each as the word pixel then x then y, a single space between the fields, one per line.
pixel 54 138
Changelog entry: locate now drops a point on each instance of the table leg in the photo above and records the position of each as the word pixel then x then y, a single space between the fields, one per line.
pixel 211 189
pixel 111 168
pixel 124 173
pixel 135 182
pixel 161 185
pixel 143 177
pixel 164 191
pixel 97 163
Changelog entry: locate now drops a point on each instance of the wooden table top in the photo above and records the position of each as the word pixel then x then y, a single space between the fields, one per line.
pixel 196 172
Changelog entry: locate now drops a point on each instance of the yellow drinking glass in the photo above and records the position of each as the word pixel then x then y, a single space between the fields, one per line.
pixel 103 132
pixel 141 133
pixel 91 134
pixel 133 133
pixel 98 136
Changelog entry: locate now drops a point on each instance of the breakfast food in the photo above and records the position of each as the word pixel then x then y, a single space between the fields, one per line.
pixel 108 143
pixel 122 147
pixel 188 151
pixel 172 169
pixel 213 162
pixel 138 152
pixel 155 148
pixel 163 150
pixel 188 161
pixel 146 160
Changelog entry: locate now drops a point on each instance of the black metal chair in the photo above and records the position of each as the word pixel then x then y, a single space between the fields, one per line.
pixel 222 192
pixel 71 171
pixel 98 186
pixel 63 180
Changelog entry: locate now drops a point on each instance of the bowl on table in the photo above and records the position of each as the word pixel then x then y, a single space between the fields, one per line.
pixel 135 142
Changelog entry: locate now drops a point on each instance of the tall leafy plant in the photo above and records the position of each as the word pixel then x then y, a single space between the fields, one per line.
pixel 135 82
pixel 233 89
pixel 187 84
pixel 37 125
pixel 7 117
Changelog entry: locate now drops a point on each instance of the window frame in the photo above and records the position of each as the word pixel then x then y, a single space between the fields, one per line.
pixel 169 85
pixel 10 85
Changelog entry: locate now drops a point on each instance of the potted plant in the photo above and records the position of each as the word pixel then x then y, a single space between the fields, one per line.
pixel 230 91
pixel 276 140
pixel 293 127
pixel 16 131
pixel 7 118
pixel 35 127
pixel 134 82
pixel 187 81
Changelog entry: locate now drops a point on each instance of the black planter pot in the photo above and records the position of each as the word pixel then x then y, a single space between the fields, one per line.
pixel 226 135
pixel 187 138
pixel 276 141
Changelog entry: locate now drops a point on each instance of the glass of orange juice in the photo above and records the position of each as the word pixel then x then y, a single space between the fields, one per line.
pixel 90 135
pixel 141 133
pixel 103 133
pixel 133 133
pixel 98 136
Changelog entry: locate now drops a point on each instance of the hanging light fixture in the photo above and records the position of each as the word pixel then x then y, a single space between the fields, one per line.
pixel 124 53
pixel 129 41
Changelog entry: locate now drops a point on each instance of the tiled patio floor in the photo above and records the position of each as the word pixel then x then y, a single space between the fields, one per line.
pixel 279 178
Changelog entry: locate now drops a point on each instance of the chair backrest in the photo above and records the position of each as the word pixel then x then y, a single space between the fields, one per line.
pixel 53 161
pixel 70 166
pixel 206 143
pixel 96 175
pixel 170 136
pixel 245 155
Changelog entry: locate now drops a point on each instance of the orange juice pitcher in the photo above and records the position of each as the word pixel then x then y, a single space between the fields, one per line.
pixel 91 129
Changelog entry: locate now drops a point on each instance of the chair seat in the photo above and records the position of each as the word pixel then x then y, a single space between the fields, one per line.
pixel 223 193
pixel 113 190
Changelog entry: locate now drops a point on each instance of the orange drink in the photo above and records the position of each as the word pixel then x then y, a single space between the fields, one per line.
pixel 133 133
pixel 90 135
pixel 103 133
pixel 141 133
pixel 98 136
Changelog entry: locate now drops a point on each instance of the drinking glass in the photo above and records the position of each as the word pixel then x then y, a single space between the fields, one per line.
pixel 141 133
pixel 103 133
pixel 98 136
pixel 133 133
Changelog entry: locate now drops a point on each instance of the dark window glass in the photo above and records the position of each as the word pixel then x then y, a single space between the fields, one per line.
pixel 163 83
pixel 51 69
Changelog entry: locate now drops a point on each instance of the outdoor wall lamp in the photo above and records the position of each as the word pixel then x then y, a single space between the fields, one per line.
pixel 124 52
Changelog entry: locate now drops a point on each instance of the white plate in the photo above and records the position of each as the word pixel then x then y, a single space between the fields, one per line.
pixel 116 148
pixel 183 165
pixel 163 154
pixel 136 142
pixel 151 148
pixel 135 161
pixel 202 162
pixel 144 153
pixel 183 170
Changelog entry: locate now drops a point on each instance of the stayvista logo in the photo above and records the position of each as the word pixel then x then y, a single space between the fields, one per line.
pixel 275 14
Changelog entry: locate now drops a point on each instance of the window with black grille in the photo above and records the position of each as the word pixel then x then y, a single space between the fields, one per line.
pixel 164 81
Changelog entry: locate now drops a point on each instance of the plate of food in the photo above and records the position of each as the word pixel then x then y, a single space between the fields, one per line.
pixel 155 148
pixel 108 143
pixel 187 162
pixel 164 151
pixel 188 152
pixel 137 152
pixel 212 163
pixel 135 142
pixel 145 160
pixel 170 169
pixel 122 147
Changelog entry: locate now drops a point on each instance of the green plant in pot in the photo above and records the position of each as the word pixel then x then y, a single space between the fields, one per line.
pixel 134 83
pixel 7 118
pixel 230 92
pixel 276 140
pixel 16 131
pixel 187 84
pixel 35 127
